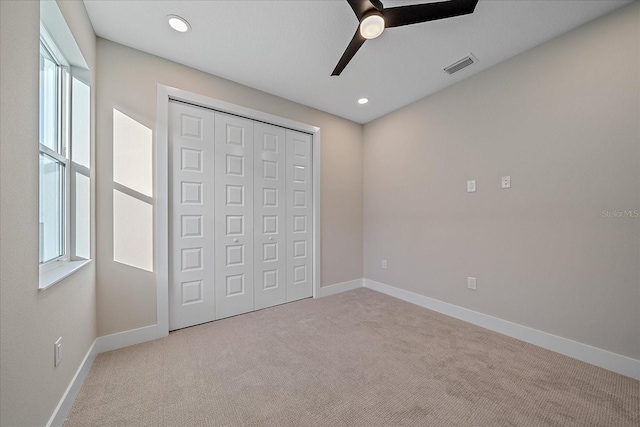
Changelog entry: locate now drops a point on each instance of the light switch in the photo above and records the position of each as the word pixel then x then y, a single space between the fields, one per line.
pixel 471 283
pixel 471 186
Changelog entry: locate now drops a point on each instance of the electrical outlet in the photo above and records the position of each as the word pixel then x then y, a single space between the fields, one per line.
pixel 471 283
pixel 57 351
pixel 471 186
pixel 384 263
pixel 506 182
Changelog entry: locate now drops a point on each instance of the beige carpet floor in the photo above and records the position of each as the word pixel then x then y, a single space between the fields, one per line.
pixel 359 358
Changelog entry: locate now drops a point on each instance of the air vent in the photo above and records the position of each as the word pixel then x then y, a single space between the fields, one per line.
pixel 460 64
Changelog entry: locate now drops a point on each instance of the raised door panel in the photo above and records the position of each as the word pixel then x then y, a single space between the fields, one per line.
pixel 234 247
pixel 270 212
pixel 299 216
pixel 191 168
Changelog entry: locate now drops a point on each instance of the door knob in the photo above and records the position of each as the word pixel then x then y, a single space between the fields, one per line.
pixel 270 238
pixel 235 240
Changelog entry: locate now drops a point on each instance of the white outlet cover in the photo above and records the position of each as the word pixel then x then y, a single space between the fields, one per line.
pixel 471 283
pixel 471 186
pixel 384 263
pixel 506 182
pixel 57 349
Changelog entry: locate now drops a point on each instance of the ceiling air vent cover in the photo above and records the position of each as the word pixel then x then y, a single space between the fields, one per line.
pixel 460 64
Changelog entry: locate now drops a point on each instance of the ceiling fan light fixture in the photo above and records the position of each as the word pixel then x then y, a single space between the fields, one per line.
pixel 178 23
pixel 372 26
pixel 373 18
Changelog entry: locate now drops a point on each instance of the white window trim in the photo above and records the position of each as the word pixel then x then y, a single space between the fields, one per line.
pixel 51 45
pixel 59 272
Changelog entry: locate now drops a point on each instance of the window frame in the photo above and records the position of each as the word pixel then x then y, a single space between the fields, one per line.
pixel 62 155
pixel 54 262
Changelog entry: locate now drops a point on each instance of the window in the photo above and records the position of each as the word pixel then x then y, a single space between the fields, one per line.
pixel 65 160
pixel 54 144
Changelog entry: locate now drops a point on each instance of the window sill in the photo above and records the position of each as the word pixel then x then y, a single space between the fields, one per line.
pixel 55 275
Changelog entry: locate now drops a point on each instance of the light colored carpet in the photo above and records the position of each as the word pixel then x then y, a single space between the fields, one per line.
pixel 359 358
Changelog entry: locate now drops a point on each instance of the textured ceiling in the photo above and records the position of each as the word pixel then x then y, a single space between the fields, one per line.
pixel 289 48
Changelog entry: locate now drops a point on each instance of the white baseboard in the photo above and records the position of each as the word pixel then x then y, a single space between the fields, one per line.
pixel 100 345
pixel 127 338
pixel 64 406
pixel 340 287
pixel 605 359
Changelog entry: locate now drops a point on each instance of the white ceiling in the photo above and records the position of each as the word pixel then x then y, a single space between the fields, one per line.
pixel 289 48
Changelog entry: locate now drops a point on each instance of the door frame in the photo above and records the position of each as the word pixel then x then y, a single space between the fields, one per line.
pixel 161 178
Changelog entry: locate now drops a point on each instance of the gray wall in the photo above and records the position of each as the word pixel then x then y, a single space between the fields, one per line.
pixel 31 320
pixel 127 81
pixel 563 121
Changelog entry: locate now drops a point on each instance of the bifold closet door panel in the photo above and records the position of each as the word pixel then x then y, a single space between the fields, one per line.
pixel 269 215
pixel 299 216
pixel 191 171
pixel 233 215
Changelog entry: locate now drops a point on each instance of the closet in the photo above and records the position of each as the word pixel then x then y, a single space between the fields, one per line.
pixel 240 215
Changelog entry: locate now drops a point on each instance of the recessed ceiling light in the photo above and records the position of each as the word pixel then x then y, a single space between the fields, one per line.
pixel 363 101
pixel 178 23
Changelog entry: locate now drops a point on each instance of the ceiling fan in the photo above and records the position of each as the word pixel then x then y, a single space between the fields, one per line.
pixel 374 18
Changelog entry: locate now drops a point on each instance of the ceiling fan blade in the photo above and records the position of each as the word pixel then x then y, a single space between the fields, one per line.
pixel 416 13
pixel 351 50
pixel 362 7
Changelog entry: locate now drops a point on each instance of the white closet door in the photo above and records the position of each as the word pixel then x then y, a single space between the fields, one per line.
pixel 233 215
pixel 191 139
pixel 299 216
pixel 270 212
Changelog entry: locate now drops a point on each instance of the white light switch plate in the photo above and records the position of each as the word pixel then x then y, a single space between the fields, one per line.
pixel 471 186
pixel 471 283
pixel 506 182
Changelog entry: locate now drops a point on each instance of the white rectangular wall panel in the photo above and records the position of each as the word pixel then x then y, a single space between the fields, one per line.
pixel 191 269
